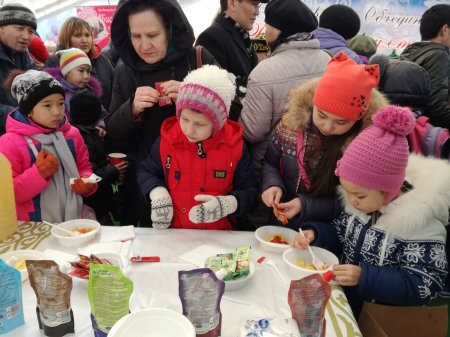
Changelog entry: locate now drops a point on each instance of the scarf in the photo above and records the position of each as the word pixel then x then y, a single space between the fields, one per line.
pixel 243 33
pixel 58 201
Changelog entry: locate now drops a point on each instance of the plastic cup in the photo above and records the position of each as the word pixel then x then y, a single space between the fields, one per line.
pixel 116 158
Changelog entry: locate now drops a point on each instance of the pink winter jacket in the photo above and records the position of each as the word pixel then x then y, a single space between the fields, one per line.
pixel 28 183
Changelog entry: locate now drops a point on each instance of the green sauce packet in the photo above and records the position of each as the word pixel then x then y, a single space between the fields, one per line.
pixel 109 294
pixel 237 265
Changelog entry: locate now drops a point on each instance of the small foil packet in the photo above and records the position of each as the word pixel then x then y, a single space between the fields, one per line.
pixel 163 98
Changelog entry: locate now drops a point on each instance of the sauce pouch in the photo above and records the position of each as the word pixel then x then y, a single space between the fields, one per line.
pixel 280 215
pixel 109 294
pixel 163 98
pixel 52 289
pixel 11 305
pixel 308 298
pixel 200 293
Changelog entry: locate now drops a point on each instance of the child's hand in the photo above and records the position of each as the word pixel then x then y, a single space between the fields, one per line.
pixel 82 188
pixel 122 167
pixel 101 132
pixel 304 242
pixel 144 97
pixel 162 207
pixel 347 274
pixel 47 164
pixel 171 89
pixel 213 208
pixel 291 208
pixel 272 196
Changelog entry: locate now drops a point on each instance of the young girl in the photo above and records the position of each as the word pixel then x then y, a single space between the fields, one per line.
pixel 200 171
pixel 393 226
pixel 44 151
pixel 74 73
pixel 323 116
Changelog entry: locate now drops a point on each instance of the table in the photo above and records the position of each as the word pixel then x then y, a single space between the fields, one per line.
pixel 156 284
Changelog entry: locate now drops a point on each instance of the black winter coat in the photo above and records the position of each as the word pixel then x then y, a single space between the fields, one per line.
pixel 227 46
pixel 131 135
pixel 102 200
pixel 435 59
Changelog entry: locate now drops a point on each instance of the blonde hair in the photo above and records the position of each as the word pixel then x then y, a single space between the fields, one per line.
pixel 71 26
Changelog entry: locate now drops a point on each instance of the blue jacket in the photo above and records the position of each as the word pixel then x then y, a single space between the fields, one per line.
pixel 402 255
pixel 334 43
pixel 8 63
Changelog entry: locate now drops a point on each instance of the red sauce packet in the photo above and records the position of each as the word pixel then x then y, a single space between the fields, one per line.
pixel 280 214
pixel 163 98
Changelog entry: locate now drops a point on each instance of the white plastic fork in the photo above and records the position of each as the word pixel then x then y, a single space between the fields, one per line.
pixel 318 263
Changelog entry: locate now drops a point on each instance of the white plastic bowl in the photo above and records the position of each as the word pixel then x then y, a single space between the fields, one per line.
pixel 27 255
pixel 76 241
pixel 153 322
pixel 233 285
pixel 293 255
pixel 262 233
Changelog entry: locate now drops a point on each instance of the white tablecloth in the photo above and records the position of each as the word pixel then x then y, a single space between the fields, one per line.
pixel 156 284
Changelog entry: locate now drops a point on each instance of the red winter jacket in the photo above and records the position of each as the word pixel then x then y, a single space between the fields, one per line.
pixel 204 168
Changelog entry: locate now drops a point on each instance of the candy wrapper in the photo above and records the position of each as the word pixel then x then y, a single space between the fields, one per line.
pixel 308 298
pixel 11 306
pixel 52 289
pixel 280 215
pixel 163 98
pixel 200 294
pixel 273 327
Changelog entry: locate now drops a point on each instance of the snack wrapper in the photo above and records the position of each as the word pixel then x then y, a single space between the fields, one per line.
pixel 273 327
pixel 163 98
pixel 280 215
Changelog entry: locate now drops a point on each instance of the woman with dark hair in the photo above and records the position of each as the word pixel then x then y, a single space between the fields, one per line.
pixel 154 40
pixel 76 33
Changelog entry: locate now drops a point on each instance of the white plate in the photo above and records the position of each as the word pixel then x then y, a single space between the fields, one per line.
pixel 27 255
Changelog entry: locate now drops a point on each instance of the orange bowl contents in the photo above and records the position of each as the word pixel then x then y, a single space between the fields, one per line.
pixel 277 238
pixel 81 230
pixel 308 265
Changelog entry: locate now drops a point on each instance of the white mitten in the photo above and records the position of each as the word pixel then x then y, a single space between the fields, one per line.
pixel 162 207
pixel 213 208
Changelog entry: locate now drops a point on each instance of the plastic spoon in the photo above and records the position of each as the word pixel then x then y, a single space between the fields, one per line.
pixel 315 260
pixel 70 233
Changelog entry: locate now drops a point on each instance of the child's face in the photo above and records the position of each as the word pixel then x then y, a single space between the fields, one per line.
pixel 49 112
pixel 195 125
pixel 79 76
pixel 329 124
pixel 364 199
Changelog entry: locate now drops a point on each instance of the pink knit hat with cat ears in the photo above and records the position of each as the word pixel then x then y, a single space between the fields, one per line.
pixel 208 90
pixel 378 156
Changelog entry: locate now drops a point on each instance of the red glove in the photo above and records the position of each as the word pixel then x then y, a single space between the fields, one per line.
pixel 47 164
pixel 82 188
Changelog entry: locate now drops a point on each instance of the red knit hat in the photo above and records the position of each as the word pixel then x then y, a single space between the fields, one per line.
pixel 345 88
pixel 38 50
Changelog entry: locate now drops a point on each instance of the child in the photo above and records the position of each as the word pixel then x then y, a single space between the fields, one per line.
pixel 323 116
pixel 44 150
pixel 392 228
pixel 200 157
pixel 74 73
pixel 86 109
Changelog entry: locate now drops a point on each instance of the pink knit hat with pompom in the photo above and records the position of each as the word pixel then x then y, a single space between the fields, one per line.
pixel 378 156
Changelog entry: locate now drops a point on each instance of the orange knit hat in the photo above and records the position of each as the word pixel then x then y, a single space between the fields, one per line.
pixel 345 88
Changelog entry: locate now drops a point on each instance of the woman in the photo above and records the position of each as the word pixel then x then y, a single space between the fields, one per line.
pixel 154 40
pixel 76 33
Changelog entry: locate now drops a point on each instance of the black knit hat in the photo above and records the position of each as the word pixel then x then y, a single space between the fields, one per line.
pixel 17 14
pixel 33 86
pixel 290 16
pixel 85 108
pixel 340 19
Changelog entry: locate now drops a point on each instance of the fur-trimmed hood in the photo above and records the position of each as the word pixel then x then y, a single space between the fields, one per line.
pixel 94 84
pixel 422 211
pixel 299 106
